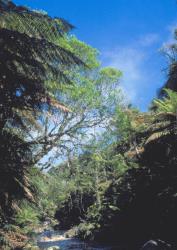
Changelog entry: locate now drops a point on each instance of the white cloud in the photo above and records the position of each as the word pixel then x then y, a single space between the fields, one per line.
pixel 129 61
pixel 149 39
pixel 140 65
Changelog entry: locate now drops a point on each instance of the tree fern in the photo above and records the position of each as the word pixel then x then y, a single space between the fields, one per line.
pixel 164 119
pixel 170 52
pixel 33 23
pixel 168 104
pixel 31 56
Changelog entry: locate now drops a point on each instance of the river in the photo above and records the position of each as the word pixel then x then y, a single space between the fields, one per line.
pixel 50 239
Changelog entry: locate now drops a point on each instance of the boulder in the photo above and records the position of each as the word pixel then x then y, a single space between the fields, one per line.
pixel 156 245
pixel 53 248
pixel 150 245
pixel 30 247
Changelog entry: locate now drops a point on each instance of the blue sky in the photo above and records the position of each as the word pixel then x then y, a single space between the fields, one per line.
pixel 128 34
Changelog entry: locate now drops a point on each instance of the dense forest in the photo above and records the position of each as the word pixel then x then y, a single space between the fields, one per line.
pixel 74 152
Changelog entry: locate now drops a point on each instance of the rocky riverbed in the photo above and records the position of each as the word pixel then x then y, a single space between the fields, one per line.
pixel 55 240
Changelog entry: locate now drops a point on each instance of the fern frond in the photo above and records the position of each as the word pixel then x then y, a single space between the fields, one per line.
pixel 33 23
pixel 168 104
pixel 156 136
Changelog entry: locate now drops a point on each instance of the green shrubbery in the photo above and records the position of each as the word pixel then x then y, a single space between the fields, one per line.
pixel 27 218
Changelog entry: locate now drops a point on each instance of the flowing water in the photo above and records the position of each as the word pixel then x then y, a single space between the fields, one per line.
pixel 50 239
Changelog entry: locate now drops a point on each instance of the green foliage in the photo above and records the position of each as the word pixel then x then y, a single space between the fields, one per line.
pixel 27 217
pixel 87 53
pixel 24 74
pixel 31 67
pixel 168 104
pixel 110 74
pixel 164 117
pixel 85 180
pixel 170 52
pixel 46 189
pixel 127 122
pixel 85 230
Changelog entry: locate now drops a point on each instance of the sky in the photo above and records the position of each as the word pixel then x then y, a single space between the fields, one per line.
pixel 129 35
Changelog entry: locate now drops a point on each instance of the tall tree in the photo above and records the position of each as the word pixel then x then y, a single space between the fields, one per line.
pixel 91 101
pixel 31 56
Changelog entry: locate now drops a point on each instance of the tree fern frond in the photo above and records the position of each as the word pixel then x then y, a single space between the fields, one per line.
pixel 32 23
pixel 30 58
pixel 156 136
pixel 168 104
pixel 164 116
pixel 40 54
pixel 27 65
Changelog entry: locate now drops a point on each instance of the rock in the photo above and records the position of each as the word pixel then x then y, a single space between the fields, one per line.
pixel 29 247
pixel 150 245
pixel 156 245
pixel 54 248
